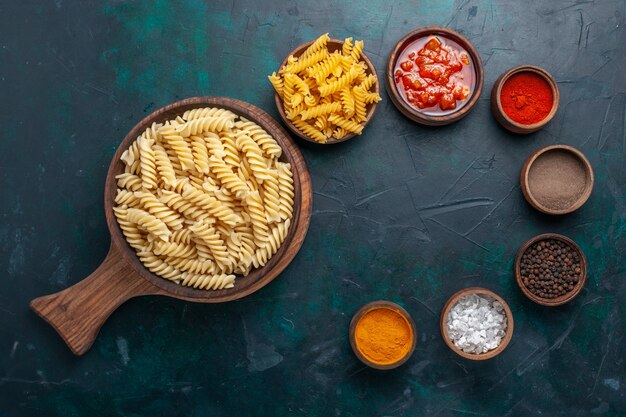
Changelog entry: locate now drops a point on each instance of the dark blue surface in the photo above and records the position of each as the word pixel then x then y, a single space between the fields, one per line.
pixel 405 213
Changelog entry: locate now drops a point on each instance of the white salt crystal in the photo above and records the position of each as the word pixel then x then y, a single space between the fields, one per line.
pixel 476 323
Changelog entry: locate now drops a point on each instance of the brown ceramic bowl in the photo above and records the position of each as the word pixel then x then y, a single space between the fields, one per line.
pixel 557 179
pixel 496 104
pixel 415 114
pixel 508 334
pixel 332 45
pixel 373 306
pixel 551 302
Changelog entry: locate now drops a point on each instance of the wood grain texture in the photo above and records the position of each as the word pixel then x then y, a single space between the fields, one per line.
pixel 333 45
pixel 403 106
pixel 122 275
pixel 565 298
pixel 508 333
pixel 496 103
pixel 78 312
pixel 524 179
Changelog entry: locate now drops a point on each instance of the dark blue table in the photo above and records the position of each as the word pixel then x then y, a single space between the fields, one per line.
pixel 404 212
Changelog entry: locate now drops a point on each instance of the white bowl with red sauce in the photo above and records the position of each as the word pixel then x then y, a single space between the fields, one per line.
pixel 434 76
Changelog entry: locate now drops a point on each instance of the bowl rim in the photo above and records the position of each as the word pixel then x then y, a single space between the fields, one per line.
pixel 508 335
pixel 542 73
pixel 414 114
pixel 371 108
pixel 374 305
pixel 259 277
pixel 525 183
pixel 565 298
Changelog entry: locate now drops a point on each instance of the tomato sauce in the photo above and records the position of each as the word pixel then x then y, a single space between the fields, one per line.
pixel 435 75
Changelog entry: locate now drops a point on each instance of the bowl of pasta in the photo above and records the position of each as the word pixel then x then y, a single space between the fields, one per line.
pixel 326 91
pixel 207 200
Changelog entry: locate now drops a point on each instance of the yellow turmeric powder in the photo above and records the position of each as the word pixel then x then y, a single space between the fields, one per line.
pixel 383 336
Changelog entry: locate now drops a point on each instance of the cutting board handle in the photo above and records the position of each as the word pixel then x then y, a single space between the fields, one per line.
pixel 78 312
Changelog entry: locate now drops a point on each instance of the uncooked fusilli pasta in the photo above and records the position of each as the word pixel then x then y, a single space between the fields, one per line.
pixel 320 86
pixel 204 198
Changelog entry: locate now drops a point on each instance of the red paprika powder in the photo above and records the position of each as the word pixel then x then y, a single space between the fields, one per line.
pixel 526 98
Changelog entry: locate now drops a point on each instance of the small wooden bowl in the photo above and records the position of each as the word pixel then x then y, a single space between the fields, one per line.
pixel 509 323
pixel 332 45
pixel 414 114
pixel 551 302
pixel 564 159
pixel 373 306
pixel 496 104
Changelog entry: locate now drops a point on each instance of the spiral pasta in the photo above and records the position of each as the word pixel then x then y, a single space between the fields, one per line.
pixel 147 162
pixel 346 48
pixel 339 132
pixel 372 98
pixel 159 266
pixel 133 235
pixel 320 110
pixel 193 266
pixel 349 125
pixel 205 124
pixel 285 189
pixel 322 70
pixel 207 233
pixel 368 82
pixel 208 282
pixel 302 87
pixel 159 210
pixel 289 89
pixel 130 157
pixel 200 154
pixel 309 130
pixel 149 223
pixel 294 113
pixel 343 81
pixel 127 198
pixel 179 146
pixel 178 250
pixel 208 112
pixel 271 197
pixel 231 152
pixel 267 143
pixel 211 205
pixel 320 83
pixel 258 218
pixel 357 50
pixel 277 235
pixel 187 209
pixel 347 100
pixel 307 61
pixel 164 165
pixel 253 157
pixel 317 45
pixel 360 104
pixel 227 177
pixel 277 82
pixel 129 181
pixel 203 197
pixel 181 236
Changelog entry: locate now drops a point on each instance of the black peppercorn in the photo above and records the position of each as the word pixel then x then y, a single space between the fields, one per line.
pixel 550 268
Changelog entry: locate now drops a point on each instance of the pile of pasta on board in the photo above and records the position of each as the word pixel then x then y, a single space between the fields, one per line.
pixel 204 197
pixel 325 94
